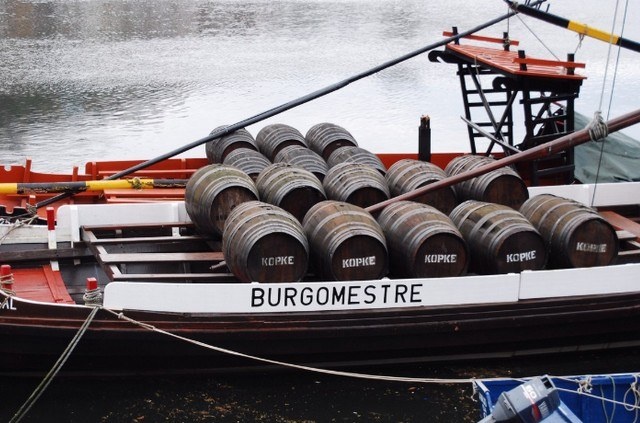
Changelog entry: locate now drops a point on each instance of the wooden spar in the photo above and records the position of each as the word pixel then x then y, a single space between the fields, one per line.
pixel 81 186
pixel 578 27
pixel 543 150
pixel 290 105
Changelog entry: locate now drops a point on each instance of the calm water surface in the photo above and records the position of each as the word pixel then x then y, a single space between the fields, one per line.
pixel 105 79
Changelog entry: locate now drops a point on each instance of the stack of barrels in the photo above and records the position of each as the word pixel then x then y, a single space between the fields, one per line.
pixel 289 207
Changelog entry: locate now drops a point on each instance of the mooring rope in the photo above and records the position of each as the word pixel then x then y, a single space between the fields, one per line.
pixel 584 385
pixel 388 378
pixel 19 415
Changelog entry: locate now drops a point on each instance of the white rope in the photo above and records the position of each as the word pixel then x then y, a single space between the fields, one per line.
pixel 584 385
pixel 635 390
pixel 585 388
pixel 92 297
pixel 121 316
pixel 597 128
pixel 17 224
pixel 6 281
pixel 615 67
pixel 537 37
pixel 604 81
pixel 19 415
pixel 606 68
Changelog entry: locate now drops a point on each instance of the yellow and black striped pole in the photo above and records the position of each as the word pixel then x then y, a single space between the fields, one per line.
pixel 27 188
pixel 578 27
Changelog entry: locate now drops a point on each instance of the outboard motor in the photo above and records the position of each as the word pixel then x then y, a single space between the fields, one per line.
pixel 534 401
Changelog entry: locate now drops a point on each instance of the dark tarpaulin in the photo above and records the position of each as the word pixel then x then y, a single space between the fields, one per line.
pixel 620 157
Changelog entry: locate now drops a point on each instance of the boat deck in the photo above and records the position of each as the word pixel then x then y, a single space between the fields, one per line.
pixel 156 252
pixel 173 252
pixel 512 63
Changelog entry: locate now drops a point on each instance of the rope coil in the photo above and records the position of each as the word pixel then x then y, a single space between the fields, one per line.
pixel 6 281
pixel 598 129
pixel 92 297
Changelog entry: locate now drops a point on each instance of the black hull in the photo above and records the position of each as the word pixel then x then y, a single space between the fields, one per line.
pixel 35 335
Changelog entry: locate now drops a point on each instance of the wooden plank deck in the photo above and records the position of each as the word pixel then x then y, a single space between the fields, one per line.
pixel 508 62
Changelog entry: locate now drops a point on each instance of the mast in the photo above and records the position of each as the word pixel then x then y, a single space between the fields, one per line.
pixel 578 27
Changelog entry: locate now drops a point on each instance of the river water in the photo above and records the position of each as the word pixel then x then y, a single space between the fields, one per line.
pixel 108 79
pixel 104 79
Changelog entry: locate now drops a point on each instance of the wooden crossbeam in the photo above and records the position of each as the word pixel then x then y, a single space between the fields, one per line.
pixel 622 223
pixel 214 256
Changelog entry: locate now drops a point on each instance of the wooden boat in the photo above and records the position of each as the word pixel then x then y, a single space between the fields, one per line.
pixel 580 398
pixel 169 304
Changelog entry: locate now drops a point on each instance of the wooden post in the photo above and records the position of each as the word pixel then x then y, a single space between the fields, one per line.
pixel 424 139
pixel 521 55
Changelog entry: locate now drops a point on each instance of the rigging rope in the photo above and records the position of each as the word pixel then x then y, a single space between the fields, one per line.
pixel 537 37
pixel 604 82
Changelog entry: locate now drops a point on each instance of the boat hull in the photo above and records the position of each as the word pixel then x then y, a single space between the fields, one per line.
pixel 37 334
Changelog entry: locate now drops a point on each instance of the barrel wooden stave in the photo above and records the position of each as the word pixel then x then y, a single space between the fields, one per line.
pixel 291 188
pixel 500 186
pixel 407 175
pixel 273 138
pixel 576 235
pixel 357 184
pixel 249 161
pixel 212 192
pixel 423 242
pixel 304 158
pixel 263 243
pixel 351 154
pixel 346 242
pixel 500 239
pixel 218 148
pixel 324 138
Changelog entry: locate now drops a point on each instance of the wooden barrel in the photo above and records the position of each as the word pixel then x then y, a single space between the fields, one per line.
pixel 218 148
pixel 500 239
pixel 325 138
pixel 407 175
pixel 423 242
pixel 291 188
pixel 273 138
pixel 346 242
pixel 212 192
pixel 357 184
pixel 576 235
pixel 501 186
pixel 249 161
pixel 351 154
pixel 304 158
pixel 263 243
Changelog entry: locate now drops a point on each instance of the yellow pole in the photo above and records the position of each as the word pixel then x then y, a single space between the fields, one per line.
pixel 95 185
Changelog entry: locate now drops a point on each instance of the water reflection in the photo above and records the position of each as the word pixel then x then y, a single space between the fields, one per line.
pixel 101 78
